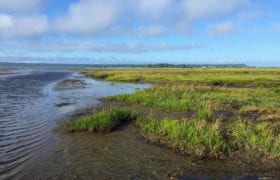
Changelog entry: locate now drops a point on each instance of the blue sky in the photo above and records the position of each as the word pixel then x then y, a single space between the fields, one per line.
pixel 140 31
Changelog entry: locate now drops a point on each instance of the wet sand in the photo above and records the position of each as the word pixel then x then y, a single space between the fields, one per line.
pixel 125 154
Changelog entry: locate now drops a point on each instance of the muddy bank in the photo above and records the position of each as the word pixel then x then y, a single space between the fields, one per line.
pixel 5 73
pixel 125 154
pixel 69 84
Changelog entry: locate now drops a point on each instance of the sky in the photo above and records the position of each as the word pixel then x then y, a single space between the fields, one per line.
pixel 140 31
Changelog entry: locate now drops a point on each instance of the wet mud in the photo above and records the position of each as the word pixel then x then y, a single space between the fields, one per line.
pixel 126 154
pixel 70 84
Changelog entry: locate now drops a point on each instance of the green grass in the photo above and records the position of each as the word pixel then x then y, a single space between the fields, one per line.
pixel 103 121
pixel 235 108
pixel 247 135
pixel 205 112
pixel 186 97
pixel 189 136
pixel 261 77
pixel 187 89
pixel 203 138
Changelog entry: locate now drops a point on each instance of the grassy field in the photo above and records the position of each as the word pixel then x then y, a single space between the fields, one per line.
pixel 251 77
pixel 234 109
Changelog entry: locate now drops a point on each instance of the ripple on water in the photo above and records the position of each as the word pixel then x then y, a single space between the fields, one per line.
pixel 27 111
pixel 24 119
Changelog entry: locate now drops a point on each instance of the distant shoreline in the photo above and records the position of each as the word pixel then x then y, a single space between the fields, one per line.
pixel 154 65
pixel 5 73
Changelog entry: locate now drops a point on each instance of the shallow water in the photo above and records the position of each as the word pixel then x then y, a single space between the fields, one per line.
pixel 29 106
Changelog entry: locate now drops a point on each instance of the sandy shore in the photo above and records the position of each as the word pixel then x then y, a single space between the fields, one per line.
pixel 125 154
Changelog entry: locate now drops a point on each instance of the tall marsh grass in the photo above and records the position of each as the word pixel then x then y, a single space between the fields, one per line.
pixel 247 135
pixel 205 138
pixel 189 136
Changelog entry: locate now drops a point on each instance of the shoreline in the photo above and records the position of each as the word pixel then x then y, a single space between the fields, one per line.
pixel 125 153
pixel 6 73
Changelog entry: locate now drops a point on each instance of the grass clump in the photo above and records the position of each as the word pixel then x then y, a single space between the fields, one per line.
pixel 189 136
pixel 159 96
pixel 205 138
pixel 253 109
pixel 249 136
pixel 103 121
pixel 205 112
pixel 270 117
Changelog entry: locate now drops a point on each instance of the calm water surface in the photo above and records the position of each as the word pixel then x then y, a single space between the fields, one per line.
pixel 29 106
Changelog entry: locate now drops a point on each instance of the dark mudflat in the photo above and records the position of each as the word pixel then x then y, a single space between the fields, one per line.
pixel 69 84
pixel 6 73
pixel 125 154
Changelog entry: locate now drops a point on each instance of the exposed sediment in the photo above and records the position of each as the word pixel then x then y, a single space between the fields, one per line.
pixel 125 153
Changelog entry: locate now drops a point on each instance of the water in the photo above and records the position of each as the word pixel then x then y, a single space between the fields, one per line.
pixel 29 105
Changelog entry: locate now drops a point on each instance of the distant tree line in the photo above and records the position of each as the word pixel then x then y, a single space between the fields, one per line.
pixel 160 65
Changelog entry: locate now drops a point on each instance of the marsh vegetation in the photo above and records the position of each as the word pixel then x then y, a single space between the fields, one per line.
pixel 232 110
pixel 103 121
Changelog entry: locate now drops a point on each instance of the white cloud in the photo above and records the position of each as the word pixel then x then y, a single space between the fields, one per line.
pixel 22 19
pixel 138 18
pixel 88 16
pixel 271 27
pixel 151 31
pixel 6 21
pixel 101 47
pixel 246 15
pixel 20 5
pixel 274 27
pixel 14 26
pixel 92 17
pixel 135 19
pixel 222 29
pixel 153 9
pixel 195 10
pixel 129 47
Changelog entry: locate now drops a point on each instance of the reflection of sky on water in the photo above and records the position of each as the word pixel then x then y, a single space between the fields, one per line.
pixel 87 97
